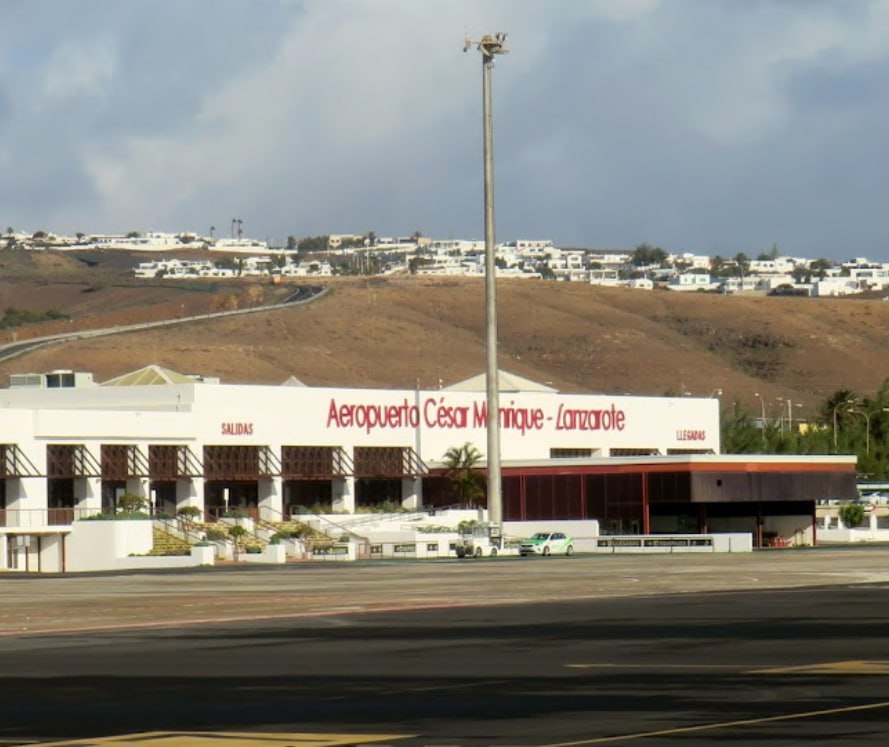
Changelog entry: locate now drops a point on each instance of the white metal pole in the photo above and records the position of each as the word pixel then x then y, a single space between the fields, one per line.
pixel 495 498
pixel 490 46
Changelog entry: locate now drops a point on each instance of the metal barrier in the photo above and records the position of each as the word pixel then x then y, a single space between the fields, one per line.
pixel 31 518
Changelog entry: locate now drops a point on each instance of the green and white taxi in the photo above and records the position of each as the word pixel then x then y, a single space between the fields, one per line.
pixel 547 543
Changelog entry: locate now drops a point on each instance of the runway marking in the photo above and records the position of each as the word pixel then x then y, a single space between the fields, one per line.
pixel 227 739
pixel 852 667
pixel 609 665
pixel 722 725
pixel 195 621
pixel 834 667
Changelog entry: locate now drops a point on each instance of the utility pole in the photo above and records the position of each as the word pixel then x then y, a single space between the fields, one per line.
pixel 490 46
pixel 762 420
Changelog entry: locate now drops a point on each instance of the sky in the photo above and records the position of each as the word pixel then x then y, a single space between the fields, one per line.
pixel 708 126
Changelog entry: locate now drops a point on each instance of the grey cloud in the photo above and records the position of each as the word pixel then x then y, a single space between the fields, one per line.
pixel 709 126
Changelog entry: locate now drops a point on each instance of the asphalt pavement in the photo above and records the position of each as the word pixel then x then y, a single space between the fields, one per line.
pixel 769 648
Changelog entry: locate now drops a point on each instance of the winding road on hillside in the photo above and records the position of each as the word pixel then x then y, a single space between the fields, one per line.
pixel 301 295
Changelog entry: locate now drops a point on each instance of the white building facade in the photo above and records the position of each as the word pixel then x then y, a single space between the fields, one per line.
pixel 72 451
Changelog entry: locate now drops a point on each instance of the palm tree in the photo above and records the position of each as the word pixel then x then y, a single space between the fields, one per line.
pixel 462 472
pixel 212 229
pixel 820 266
pixel 838 403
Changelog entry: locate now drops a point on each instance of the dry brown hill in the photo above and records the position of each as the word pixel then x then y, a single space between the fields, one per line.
pixel 396 332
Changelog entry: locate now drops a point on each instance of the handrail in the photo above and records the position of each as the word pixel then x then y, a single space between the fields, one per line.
pixel 372 518
pixel 43 518
pixel 181 529
pixel 342 529
pixel 220 512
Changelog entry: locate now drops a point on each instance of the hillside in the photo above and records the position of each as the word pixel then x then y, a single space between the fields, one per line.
pixel 396 332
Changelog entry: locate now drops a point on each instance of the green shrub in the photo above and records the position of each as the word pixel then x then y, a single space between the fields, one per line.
pixel 190 513
pixel 131 503
pixel 100 517
pixel 852 514
pixel 117 517
pixel 13 317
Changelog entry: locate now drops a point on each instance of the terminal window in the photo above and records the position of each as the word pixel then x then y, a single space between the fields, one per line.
pixel 570 453
pixel 634 452
pixel 60 380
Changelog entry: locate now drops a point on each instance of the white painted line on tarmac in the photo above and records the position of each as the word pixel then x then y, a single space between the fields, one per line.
pixel 722 725
pixel 656 667
pixel 165 624
pixel 858 666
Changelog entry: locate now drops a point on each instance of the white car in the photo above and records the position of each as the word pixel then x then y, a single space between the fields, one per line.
pixel 547 543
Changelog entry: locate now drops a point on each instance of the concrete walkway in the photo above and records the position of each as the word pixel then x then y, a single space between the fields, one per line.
pixel 42 604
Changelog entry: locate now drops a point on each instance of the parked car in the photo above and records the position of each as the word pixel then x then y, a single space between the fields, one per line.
pixel 547 543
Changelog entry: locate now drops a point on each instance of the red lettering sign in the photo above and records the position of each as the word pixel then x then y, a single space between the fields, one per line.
pixel 371 417
pixel 237 429
pixel 436 412
pixel 688 434
pixel 577 419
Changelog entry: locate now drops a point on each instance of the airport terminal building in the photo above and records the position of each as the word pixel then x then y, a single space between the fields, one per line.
pixel 72 447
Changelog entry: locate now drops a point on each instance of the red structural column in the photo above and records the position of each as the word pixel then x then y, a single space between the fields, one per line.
pixel 646 516
pixel 584 514
pixel 814 524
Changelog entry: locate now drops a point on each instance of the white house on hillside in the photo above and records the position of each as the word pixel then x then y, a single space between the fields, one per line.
pixel 691 281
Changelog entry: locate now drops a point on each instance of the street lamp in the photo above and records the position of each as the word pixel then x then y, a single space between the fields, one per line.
pixel 490 46
pixel 762 420
pixel 866 416
pixel 790 407
pixel 835 408
pixel 848 404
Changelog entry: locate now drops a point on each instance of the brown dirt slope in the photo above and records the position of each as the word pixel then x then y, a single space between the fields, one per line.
pixel 400 331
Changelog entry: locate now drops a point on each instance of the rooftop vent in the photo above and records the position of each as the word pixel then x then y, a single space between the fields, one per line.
pixel 62 379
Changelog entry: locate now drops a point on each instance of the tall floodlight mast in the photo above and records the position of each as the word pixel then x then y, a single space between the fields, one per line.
pixel 490 46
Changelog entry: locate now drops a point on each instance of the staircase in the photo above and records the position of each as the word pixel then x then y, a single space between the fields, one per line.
pixel 311 537
pixel 294 529
pixel 164 543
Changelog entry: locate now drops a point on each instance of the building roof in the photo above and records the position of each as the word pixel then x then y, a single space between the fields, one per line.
pixel 506 382
pixel 152 375
pixel 292 381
